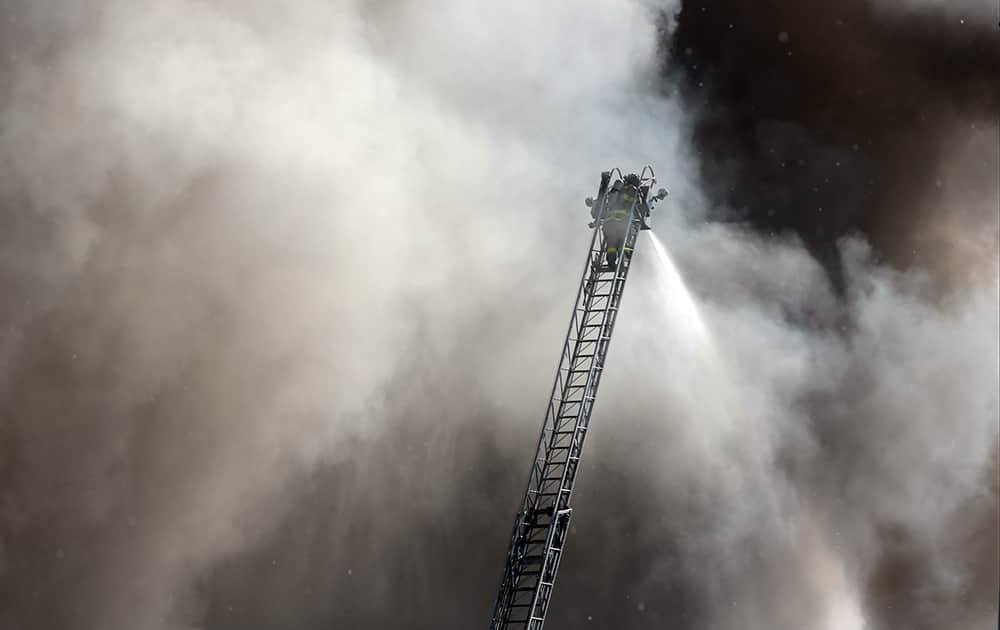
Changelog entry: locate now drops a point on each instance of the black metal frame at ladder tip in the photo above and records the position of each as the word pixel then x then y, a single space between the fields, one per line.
pixel 541 525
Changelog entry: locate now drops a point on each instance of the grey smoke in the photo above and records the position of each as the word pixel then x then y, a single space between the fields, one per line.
pixel 284 286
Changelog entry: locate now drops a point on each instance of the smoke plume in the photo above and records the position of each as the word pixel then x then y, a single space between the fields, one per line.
pixel 284 286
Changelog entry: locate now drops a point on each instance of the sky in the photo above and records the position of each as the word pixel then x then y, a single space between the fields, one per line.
pixel 284 286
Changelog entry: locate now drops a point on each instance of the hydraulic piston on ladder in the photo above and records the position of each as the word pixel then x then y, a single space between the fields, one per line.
pixel 540 528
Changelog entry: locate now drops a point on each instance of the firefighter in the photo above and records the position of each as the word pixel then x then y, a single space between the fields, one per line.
pixel 620 199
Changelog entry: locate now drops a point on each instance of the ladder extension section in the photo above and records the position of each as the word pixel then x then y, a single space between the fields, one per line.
pixel 542 523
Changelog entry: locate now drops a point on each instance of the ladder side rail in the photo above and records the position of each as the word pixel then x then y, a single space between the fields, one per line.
pixel 551 555
pixel 552 456
pixel 600 353
pixel 573 341
pixel 574 355
pixel 579 343
pixel 593 381
pixel 569 357
pixel 552 464
pixel 608 325
pixel 611 315
pixel 551 552
pixel 608 328
pixel 506 582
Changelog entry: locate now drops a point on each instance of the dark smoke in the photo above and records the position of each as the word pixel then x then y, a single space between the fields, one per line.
pixel 833 118
pixel 283 286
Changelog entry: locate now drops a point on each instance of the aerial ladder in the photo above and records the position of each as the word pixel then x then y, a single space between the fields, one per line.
pixel 542 522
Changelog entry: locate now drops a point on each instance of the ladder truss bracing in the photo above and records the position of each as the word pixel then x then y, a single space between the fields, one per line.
pixel 541 524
